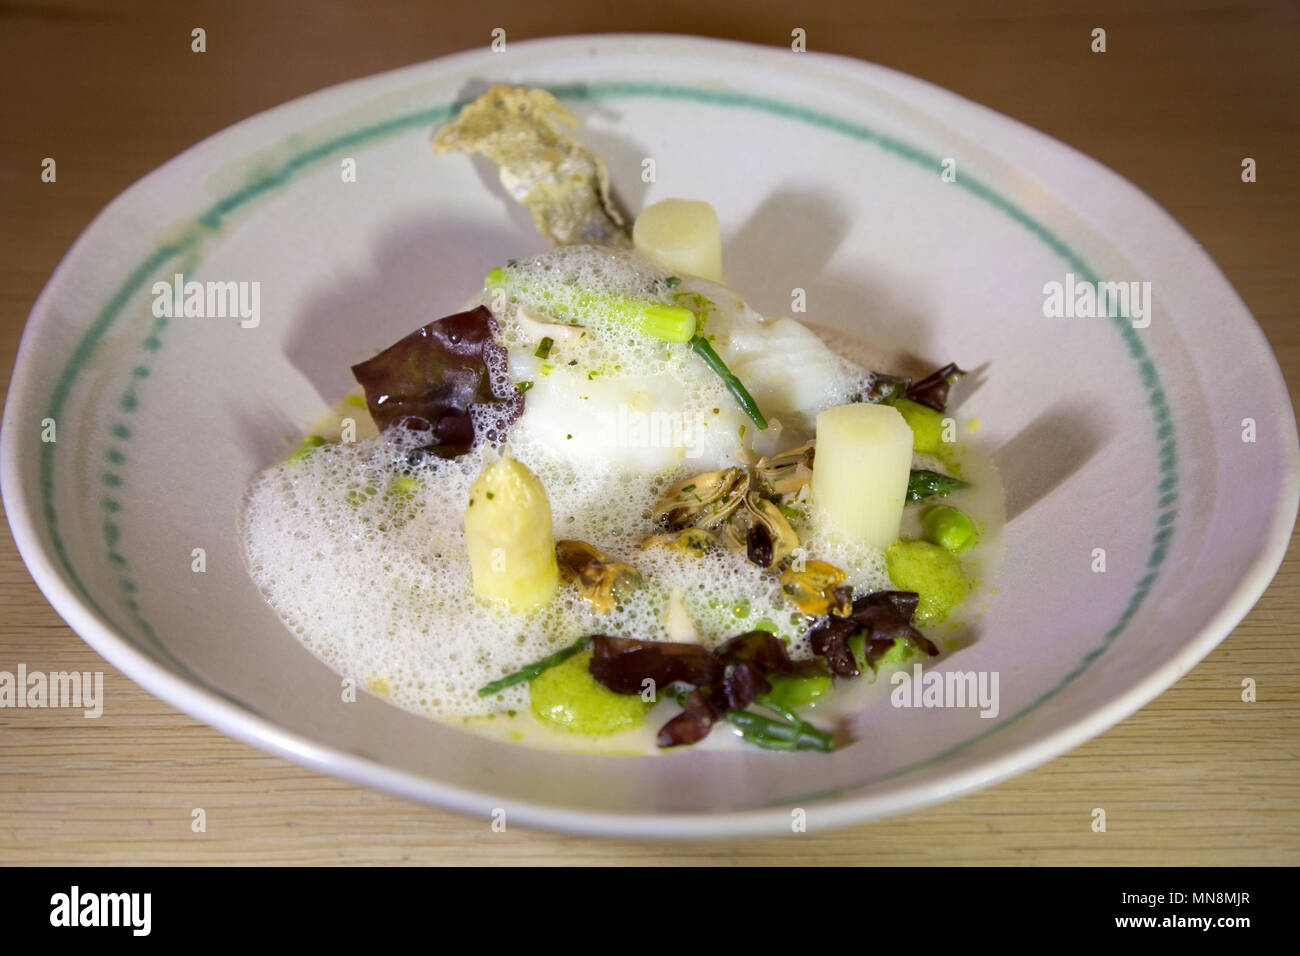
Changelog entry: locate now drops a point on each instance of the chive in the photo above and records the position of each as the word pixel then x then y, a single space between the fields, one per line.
pixel 923 484
pixel 544 348
pixel 532 670
pixel 704 350
pixel 791 733
pixel 672 282
pixel 524 386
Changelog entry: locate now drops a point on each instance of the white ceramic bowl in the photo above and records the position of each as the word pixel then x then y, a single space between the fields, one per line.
pixel 827 175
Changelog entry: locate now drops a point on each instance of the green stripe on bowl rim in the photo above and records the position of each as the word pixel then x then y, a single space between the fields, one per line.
pixel 209 223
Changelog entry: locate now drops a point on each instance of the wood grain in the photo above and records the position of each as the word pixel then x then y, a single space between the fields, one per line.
pixel 1183 93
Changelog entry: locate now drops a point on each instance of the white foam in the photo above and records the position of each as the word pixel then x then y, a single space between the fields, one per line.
pixel 377 584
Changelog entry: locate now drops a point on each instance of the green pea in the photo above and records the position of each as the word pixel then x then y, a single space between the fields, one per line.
pixel 405 485
pixel 309 445
pixel 926 425
pixel 949 528
pixel 930 571
pixel 791 692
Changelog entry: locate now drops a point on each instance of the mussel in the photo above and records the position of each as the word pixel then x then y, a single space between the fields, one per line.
pixel 761 532
pixel 602 579
pixel 785 475
pixel 817 589
pixel 705 501
pixel 695 542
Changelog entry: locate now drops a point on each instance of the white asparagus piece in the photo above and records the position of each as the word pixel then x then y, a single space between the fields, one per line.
pixel 860 474
pixel 508 536
pixel 682 235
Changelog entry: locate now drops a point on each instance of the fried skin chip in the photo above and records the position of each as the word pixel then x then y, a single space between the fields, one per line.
pixel 565 186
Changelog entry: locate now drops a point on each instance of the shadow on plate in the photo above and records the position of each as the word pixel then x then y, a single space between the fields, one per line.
pixel 786 245
pixel 1046 453
pixel 415 274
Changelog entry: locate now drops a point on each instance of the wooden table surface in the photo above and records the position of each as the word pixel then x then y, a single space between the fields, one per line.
pixel 1184 91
